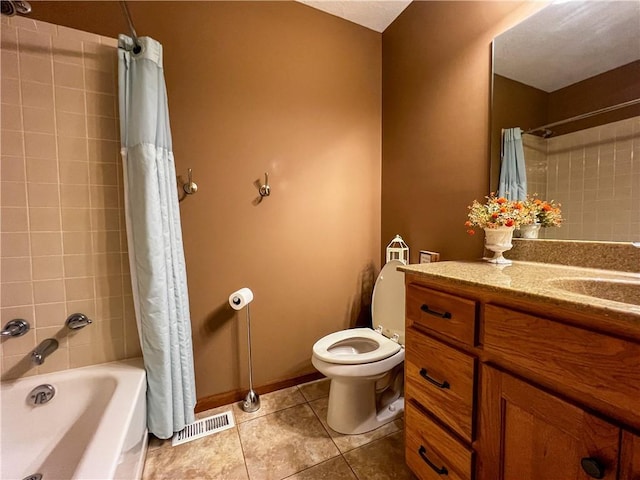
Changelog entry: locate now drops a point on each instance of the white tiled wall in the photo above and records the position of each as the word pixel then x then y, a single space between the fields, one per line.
pixel 63 245
pixel 535 154
pixel 595 175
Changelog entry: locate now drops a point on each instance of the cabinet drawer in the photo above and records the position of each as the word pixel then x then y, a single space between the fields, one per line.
pixel 441 379
pixel 596 369
pixel 430 450
pixel 440 312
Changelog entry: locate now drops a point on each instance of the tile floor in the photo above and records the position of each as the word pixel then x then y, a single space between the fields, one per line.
pixel 287 438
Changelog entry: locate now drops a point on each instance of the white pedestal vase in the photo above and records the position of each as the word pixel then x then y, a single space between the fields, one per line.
pixel 498 240
pixel 530 231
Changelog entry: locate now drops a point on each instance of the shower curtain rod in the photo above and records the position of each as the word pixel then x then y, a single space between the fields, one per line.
pixel 587 115
pixel 136 44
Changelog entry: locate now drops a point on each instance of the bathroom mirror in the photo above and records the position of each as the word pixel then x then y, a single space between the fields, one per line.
pixel 551 73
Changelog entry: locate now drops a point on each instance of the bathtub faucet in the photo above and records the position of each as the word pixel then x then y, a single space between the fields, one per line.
pixel 15 328
pixel 42 351
pixel 77 321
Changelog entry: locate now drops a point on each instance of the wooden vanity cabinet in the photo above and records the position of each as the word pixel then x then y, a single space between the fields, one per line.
pixel 528 434
pixel 510 391
pixel 630 457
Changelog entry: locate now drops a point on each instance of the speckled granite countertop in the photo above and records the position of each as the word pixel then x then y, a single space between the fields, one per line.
pixel 554 284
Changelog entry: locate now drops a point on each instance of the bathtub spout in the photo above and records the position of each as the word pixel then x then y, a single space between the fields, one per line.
pixel 42 351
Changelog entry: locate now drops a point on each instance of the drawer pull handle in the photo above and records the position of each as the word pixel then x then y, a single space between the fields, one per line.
pixel 440 471
pixel 425 375
pixel 592 467
pixel 425 308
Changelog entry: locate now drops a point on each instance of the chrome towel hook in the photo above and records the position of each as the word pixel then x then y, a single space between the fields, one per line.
pixel 190 187
pixel 265 189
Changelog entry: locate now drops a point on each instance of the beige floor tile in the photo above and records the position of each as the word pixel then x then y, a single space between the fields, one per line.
pixel 155 442
pixel 381 460
pixel 335 469
pixel 215 411
pixel 284 442
pixel 349 442
pixel 315 389
pixel 216 457
pixel 269 403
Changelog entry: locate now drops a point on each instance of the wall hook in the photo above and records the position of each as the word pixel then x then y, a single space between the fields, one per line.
pixel 265 190
pixel 188 188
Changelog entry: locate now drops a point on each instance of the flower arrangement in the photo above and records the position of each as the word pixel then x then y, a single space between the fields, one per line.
pixel 545 213
pixel 496 212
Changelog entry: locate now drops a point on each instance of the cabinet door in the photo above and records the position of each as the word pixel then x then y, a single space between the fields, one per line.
pixel 528 434
pixel 630 457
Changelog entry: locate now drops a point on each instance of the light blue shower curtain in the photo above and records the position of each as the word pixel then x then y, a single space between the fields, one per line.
pixel 513 174
pixel 156 254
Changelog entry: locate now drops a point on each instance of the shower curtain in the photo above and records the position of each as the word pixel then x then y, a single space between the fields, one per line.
pixel 513 174
pixel 156 255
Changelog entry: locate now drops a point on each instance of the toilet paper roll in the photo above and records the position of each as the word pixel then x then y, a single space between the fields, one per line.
pixel 241 298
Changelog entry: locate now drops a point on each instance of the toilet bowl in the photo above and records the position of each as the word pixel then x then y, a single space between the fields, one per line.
pixel 365 365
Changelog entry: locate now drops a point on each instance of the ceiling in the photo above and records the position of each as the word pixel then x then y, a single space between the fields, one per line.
pixel 591 37
pixel 374 14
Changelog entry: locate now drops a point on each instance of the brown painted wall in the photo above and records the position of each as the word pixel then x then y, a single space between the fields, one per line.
pixel 260 87
pixel 279 87
pixel 609 88
pixel 514 104
pixel 436 78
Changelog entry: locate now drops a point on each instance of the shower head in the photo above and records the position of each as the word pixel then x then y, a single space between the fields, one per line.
pixel 11 7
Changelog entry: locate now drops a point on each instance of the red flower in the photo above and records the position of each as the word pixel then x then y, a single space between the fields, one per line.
pixel 471 232
pixel 494 215
pixel 501 200
pixel 509 223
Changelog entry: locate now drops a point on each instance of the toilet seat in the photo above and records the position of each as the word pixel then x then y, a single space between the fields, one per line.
pixel 364 345
pixel 385 347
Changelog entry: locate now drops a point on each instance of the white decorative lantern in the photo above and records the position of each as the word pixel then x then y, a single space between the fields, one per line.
pixel 398 250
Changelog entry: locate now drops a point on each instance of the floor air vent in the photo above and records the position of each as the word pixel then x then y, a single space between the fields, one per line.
pixel 203 427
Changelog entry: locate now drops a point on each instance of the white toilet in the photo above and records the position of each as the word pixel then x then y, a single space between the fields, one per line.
pixel 366 366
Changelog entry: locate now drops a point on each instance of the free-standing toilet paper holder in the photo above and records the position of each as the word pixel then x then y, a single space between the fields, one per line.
pixel 252 400
pixel 237 300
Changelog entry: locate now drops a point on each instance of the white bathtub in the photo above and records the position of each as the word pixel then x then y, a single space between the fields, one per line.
pixel 93 428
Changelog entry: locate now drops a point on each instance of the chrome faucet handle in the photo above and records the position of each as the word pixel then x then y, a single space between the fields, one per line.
pixel 77 320
pixel 15 328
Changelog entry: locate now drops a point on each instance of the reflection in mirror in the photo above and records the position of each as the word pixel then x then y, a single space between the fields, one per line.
pixel 568 78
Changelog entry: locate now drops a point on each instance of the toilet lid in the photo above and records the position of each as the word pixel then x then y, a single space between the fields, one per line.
pixel 335 347
pixel 388 300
